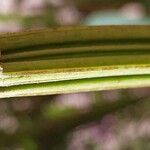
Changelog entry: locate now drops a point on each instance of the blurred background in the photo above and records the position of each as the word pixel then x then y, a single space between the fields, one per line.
pixel 64 122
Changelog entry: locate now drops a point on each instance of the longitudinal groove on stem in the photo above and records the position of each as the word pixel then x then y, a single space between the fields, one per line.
pixel 75 54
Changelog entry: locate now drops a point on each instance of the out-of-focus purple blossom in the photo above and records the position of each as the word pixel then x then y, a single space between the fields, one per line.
pixel 97 134
pixel 67 15
pixel 135 129
pixel 30 7
pixel 140 92
pixel 22 105
pixel 132 131
pixel 133 11
pixel 110 143
pixel 79 100
pixel 9 26
pixel 8 123
pixel 94 134
pixel 111 95
pixel 8 6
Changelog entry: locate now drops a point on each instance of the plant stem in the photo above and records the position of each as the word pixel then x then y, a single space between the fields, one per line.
pixel 62 59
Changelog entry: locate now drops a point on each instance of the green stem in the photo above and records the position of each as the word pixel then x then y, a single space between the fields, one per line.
pixel 80 85
pixel 70 55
